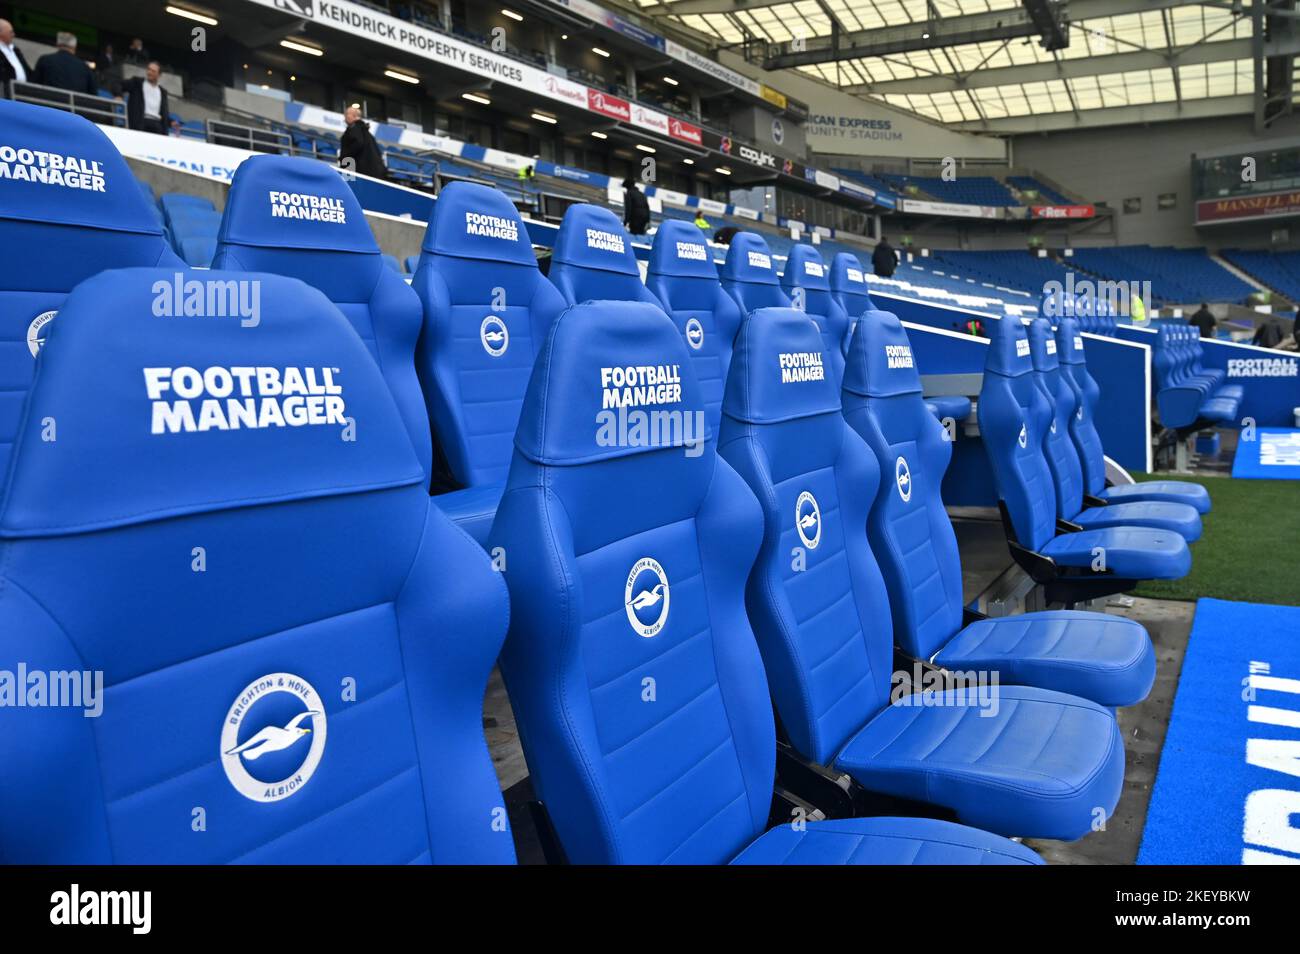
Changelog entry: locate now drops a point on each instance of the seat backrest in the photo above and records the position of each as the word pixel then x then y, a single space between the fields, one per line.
pixel 593 258
pixel 1163 357
pixel 683 277
pixel 299 218
pixel 909 530
pixel 807 284
pixel 235 538
pixel 632 669
pixel 69 208
pixel 1083 429
pixel 749 274
pixel 487 309
pixel 816 598
pixel 849 286
pixel 1013 414
pixel 1058 446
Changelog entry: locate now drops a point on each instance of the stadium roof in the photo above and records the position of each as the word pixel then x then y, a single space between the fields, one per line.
pixel 1195 56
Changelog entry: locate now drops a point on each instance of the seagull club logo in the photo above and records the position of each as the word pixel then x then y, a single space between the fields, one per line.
pixel 495 336
pixel 273 737
pixel 1023 438
pixel 808 520
pixel 903 477
pixel 645 597
pixel 37 331
pixel 695 334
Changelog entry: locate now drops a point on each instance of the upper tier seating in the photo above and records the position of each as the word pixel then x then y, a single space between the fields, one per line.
pixel 1046 194
pixel 681 274
pixel 1103 658
pixel 593 259
pixel 1072 358
pixel 58 229
pixel 822 621
pixel 298 217
pixel 806 282
pixel 487 309
pixel 230 584
pixel 1188 396
pixel 631 560
pixel 1013 416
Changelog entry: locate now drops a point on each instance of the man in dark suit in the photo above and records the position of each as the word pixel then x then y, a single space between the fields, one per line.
pixel 63 69
pixel 358 151
pixel 13 65
pixel 146 104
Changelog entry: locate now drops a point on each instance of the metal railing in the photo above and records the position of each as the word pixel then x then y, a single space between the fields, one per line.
pixel 108 112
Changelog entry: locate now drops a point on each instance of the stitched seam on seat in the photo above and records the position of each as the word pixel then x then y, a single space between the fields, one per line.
pixel 662 721
pixel 702 825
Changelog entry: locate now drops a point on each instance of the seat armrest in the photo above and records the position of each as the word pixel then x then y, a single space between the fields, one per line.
pixel 1090 501
pixel 1065 526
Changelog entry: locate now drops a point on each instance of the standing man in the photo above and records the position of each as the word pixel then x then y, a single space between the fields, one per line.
pixel 63 69
pixel 146 106
pixel 1204 320
pixel 357 145
pixel 636 207
pixel 884 259
pixel 13 65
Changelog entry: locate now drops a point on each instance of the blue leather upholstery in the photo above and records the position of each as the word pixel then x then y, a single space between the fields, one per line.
pixel 1013 417
pixel 294 644
pixel 749 274
pixel 849 287
pixel 807 283
pixel 1074 372
pixel 487 309
pixel 683 277
pixel 593 259
pixel 821 614
pixel 884 841
pixel 1103 658
pixel 1063 458
pixel 1187 394
pixel 58 229
pixel 627 567
pixel 953 406
pixel 298 217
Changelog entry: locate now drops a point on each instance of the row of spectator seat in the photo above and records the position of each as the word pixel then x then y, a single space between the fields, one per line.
pixel 1177 275
pixel 1279 271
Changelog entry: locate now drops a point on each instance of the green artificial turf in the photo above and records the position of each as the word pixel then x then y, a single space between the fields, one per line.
pixel 1250 547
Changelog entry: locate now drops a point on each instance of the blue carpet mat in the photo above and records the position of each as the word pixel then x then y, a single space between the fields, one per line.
pixel 1228 788
pixel 1274 455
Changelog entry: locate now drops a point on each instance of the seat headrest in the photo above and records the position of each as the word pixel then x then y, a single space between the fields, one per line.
pixel 1042 345
pixel 476 221
pixel 295 203
pixel 605 364
pixel 1008 348
pixel 61 169
pixel 592 237
pixel 880 361
pixel 778 369
pixel 1069 342
pixel 847 274
pixel 161 412
pixel 680 250
pixel 749 260
pixel 805 268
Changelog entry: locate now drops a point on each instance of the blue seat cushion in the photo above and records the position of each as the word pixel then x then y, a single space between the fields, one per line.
pixel 1107 659
pixel 1177 491
pixel 1134 553
pixel 949 405
pixel 884 841
pixel 1220 409
pixel 1158 514
pixel 1035 763
pixel 472 509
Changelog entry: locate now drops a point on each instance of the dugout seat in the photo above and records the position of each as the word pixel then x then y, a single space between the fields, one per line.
pixel 1104 658
pixel 627 572
pixel 1189 397
pixel 294 644
pixel 593 259
pixel 807 284
pixel 298 217
pixel 57 230
pixel 849 286
pixel 749 274
pixel 487 309
pixel 1032 762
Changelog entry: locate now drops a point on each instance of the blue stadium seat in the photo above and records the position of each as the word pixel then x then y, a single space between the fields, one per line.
pixel 392 262
pixel 411 262
pixel 1072 504
pixel 297 217
pixel 682 276
pixel 58 231
pixel 1033 762
pixel 593 259
pixel 198 251
pixel 849 286
pixel 290 637
pixel 487 309
pixel 630 560
pixel 1074 373
pixel 1013 416
pixel 807 284
pixel 1103 658
pixel 749 274
pixel 1188 396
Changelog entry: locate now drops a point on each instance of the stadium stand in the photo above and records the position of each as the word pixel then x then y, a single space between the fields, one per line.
pixel 1047 195
pixel 1277 270
pixel 1176 275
